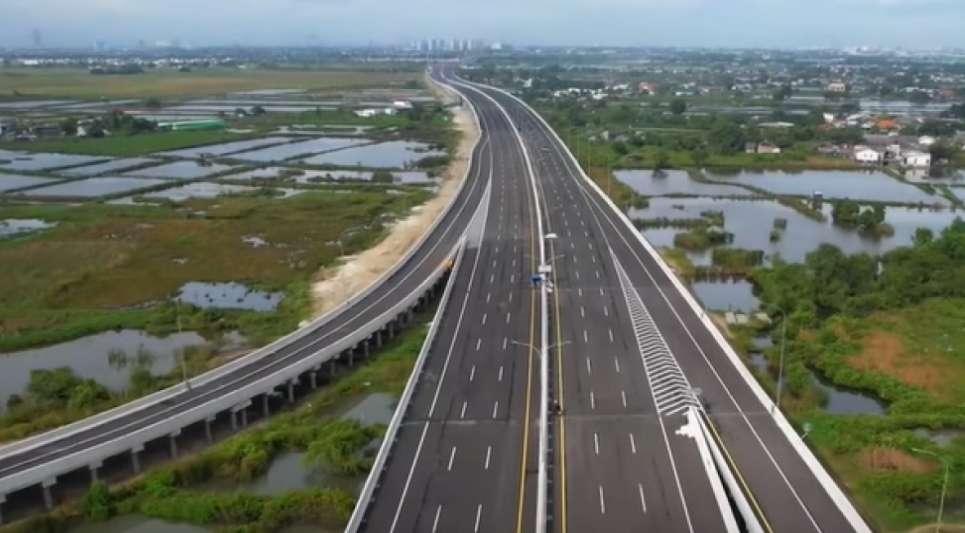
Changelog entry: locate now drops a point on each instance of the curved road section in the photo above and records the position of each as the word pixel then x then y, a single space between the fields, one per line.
pixel 364 320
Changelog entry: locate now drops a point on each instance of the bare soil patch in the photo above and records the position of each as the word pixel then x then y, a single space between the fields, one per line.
pixel 892 459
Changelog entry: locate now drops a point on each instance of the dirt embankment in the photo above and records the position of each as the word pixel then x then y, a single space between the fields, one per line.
pixel 336 284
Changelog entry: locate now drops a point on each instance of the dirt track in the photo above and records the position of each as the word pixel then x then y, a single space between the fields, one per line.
pixel 336 284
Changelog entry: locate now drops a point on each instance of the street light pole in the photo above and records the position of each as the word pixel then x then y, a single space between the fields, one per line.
pixel 941 503
pixel 780 364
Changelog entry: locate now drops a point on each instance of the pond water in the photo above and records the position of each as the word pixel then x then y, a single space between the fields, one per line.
pixel 856 185
pixel 227 148
pixel 296 149
pixel 136 524
pixel 94 187
pixel 726 295
pixel 376 408
pixel 10 182
pixel 289 471
pixel 669 182
pixel 392 154
pixel 751 222
pixel 308 177
pixel 199 189
pixel 115 165
pixel 46 161
pixel 89 358
pixel 18 226
pixel 180 170
pixel 842 401
pixel 229 295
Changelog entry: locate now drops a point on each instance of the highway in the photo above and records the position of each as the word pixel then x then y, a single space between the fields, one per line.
pixel 600 256
pixel 465 453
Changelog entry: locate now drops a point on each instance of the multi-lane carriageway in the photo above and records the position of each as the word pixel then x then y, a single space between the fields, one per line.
pixel 631 447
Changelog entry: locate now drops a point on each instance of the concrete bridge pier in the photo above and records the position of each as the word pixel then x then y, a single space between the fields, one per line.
pixel 47 485
pixel 266 405
pixel 173 443
pixel 351 357
pixel 313 377
pixel 390 329
pixel 207 429
pixel 378 339
pixel 365 349
pixel 93 470
pixel 291 390
pixel 136 458
pixel 3 500
pixel 331 368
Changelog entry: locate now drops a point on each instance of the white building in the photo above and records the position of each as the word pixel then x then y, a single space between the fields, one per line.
pixel 926 140
pixel 402 104
pixel 916 159
pixel 864 154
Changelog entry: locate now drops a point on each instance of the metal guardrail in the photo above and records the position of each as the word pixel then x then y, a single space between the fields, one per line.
pixel 391 432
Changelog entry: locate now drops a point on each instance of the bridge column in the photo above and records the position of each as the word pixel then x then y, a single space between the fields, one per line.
pixel 266 405
pixel 313 377
pixel 47 486
pixel 173 443
pixel 93 471
pixel 331 368
pixel 365 348
pixel 244 417
pixel 207 428
pixel 351 357
pixel 136 458
pixel 391 329
pixel 3 500
pixel 378 339
pixel 234 420
pixel 291 390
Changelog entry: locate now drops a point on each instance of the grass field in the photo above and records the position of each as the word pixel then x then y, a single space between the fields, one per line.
pixel 128 145
pixel 100 266
pixel 79 83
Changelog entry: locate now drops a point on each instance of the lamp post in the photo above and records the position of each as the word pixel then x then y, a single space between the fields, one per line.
pixel 941 503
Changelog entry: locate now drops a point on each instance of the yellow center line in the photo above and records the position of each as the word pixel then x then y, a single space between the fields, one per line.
pixel 529 378
pixel 740 477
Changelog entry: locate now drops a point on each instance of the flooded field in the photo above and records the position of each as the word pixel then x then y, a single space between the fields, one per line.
pixel 199 190
pixel 228 296
pixel 115 165
pixel 674 182
pixel 841 401
pixel 301 148
pixel 372 409
pixel 94 187
pixel 873 185
pixel 227 148
pixel 392 154
pixel 10 182
pixel 90 357
pixel 726 295
pixel 36 162
pixel 181 170
pixel 751 222
pixel 308 176
pixel 14 227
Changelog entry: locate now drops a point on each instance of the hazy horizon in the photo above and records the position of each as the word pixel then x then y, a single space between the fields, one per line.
pixel 911 24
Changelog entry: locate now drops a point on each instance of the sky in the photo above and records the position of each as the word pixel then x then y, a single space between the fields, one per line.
pixel 914 24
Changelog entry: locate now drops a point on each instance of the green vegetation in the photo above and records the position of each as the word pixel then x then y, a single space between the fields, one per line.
pixel 79 83
pixel 895 332
pixel 870 221
pixel 736 261
pixel 129 145
pixel 175 492
pixel 702 238
pixel 98 267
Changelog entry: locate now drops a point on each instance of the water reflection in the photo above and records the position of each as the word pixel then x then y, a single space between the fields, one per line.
pixel 842 401
pixel 229 295
pixel 89 357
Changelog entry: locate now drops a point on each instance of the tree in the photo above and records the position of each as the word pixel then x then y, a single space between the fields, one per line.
pixel 845 213
pixel 678 106
pixel 98 503
pixel 923 236
pixel 919 97
pixel 152 102
pixel 783 93
pixel 661 160
pixel 69 126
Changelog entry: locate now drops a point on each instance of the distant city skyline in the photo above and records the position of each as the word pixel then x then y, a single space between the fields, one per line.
pixel 911 24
